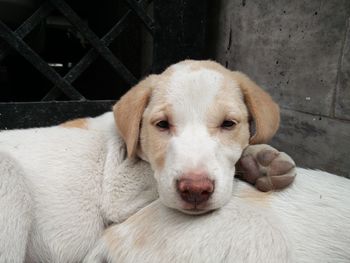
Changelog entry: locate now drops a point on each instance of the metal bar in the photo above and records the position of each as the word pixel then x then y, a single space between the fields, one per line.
pixel 16 115
pixel 117 28
pixel 147 21
pixel 91 55
pixel 27 26
pixel 52 94
pixel 4 48
pixel 69 13
pixel 181 28
pixel 22 48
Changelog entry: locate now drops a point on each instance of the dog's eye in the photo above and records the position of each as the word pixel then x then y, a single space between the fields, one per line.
pixel 228 124
pixel 163 125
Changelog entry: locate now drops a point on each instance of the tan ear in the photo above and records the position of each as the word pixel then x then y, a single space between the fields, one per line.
pixel 264 111
pixel 128 113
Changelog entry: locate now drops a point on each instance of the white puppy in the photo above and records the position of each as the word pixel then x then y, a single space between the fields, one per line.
pixel 194 126
pixel 308 222
pixel 61 186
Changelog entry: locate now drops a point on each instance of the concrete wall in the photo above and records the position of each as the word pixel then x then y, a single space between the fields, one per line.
pixel 299 51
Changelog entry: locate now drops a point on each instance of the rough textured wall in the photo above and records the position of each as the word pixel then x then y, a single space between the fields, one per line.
pixel 299 51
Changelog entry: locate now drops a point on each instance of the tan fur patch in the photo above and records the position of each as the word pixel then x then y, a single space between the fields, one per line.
pixel 141 219
pixel 158 148
pixel 111 239
pixel 255 196
pixel 229 105
pixel 153 141
pixel 262 108
pixel 77 123
pixel 139 229
pixel 128 113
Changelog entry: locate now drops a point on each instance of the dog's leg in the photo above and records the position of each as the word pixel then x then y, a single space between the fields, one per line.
pixel 15 211
pixel 266 168
pixel 238 232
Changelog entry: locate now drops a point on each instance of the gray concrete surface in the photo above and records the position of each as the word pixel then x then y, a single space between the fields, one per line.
pixel 315 142
pixel 299 51
pixel 342 106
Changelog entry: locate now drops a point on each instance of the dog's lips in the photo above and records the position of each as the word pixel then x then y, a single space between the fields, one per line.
pixel 195 209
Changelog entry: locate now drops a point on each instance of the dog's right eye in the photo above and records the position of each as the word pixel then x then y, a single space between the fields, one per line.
pixel 228 124
pixel 163 125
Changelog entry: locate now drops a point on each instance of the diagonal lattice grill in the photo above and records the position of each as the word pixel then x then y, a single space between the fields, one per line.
pixel 100 48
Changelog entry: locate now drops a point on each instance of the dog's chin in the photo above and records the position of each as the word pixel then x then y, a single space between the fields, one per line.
pixel 195 211
pixel 189 208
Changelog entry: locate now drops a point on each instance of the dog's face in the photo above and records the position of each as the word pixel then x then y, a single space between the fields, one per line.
pixel 191 130
pixel 191 123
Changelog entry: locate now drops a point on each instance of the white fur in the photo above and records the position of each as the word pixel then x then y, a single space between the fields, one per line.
pixel 236 233
pixel 15 210
pixel 316 212
pixel 61 187
pixel 192 95
pixel 205 85
pixel 194 149
pixel 308 222
pixel 58 190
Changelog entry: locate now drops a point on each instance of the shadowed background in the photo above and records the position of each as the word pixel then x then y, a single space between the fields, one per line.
pixel 298 51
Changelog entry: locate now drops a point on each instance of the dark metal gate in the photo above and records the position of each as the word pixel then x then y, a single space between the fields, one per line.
pixel 177 29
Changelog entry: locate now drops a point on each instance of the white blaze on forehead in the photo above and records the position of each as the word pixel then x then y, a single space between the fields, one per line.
pixel 191 92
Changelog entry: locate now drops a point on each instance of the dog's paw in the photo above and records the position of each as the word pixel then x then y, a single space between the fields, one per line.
pixel 266 168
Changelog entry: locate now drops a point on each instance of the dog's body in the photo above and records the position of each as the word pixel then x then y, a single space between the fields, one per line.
pixel 63 185
pixel 308 222
pixel 69 191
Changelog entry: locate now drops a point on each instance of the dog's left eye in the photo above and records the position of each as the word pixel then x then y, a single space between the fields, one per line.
pixel 228 124
pixel 163 125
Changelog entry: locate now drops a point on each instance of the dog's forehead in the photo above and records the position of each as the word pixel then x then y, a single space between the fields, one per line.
pixel 191 92
pixel 199 86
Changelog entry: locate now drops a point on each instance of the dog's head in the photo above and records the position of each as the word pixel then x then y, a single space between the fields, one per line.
pixel 191 123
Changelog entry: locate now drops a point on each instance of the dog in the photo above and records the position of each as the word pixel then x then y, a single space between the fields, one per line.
pixel 307 222
pixel 176 136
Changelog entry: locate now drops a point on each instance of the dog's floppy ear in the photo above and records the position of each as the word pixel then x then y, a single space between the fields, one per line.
pixel 263 110
pixel 128 113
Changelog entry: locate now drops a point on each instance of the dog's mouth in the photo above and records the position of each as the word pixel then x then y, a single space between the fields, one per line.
pixel 194 209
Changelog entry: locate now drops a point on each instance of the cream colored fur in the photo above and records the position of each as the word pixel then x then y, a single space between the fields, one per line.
pixel 61 186
pixel 308 222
